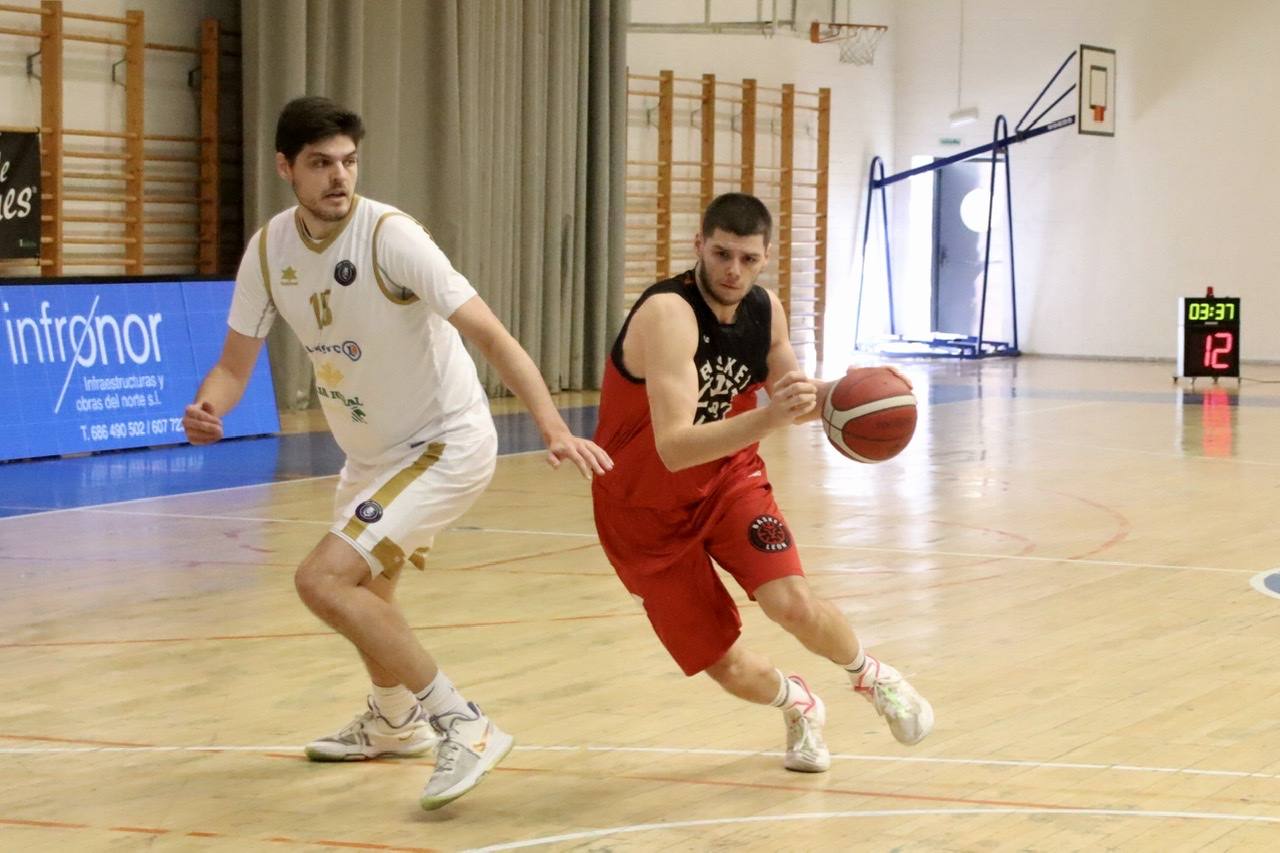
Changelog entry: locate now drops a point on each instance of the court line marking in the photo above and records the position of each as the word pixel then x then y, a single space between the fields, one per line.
pixel 160 831
pixel 810 816
pixel 808 545
pixel 918 552
pixel 1026 764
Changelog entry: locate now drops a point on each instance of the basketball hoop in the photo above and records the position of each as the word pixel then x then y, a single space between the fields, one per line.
pixel 857 41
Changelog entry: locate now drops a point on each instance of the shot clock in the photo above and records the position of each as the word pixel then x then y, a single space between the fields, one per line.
pixel 1208 336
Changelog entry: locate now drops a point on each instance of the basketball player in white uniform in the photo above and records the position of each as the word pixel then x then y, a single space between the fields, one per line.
pixel 382 314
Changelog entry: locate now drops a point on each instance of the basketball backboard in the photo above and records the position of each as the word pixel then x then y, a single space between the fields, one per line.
pixel 1096 113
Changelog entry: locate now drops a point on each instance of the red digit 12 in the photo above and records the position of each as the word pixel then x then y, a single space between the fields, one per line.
pixel 1213 348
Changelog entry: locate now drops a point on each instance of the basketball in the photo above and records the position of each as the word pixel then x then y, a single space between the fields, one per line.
pixel 870 414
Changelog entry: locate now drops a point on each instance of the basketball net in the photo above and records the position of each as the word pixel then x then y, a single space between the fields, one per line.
pixel 858 44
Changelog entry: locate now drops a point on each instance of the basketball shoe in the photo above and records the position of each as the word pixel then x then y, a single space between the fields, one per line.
pixel 372 735
pixel 470 746
pixel 910 716
pixel 806 750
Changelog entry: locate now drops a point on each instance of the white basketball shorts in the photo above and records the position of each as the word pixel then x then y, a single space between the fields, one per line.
pixel 392 513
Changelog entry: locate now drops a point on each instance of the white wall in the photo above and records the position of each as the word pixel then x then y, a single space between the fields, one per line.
pixel 1111 231
pixel 862 108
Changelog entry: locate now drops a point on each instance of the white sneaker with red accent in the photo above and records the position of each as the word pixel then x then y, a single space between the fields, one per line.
pixel 470 746
pixel 806 750
pixel 909 715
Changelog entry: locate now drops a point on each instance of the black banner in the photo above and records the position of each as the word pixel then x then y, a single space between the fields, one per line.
pixel 19 195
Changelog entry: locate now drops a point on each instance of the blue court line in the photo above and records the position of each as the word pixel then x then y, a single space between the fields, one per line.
pixel 47 484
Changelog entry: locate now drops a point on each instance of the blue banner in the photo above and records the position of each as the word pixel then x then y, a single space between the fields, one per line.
pixel 106 365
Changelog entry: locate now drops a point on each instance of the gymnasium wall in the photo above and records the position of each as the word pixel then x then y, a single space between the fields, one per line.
pixel 861 111
pixel 1111 231
pixel 91 100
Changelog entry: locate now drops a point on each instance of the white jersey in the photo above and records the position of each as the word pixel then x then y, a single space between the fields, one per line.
pixel 371 304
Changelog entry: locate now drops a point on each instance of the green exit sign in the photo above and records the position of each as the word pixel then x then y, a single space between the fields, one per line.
pixel 949 140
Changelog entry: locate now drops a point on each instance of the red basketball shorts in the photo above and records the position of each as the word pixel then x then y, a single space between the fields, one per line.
pixel 663 558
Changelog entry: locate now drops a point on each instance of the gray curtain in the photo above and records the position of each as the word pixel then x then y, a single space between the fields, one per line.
pixel 500 124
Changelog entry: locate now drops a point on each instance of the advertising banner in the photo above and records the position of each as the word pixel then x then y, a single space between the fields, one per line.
pixel 19 195
pixel 106 365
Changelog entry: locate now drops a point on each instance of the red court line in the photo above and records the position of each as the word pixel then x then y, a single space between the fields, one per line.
pixel 763 786
pixel 44 824
pixel 81 741
pixel 310 634
pixel 533 556
pixel 279 839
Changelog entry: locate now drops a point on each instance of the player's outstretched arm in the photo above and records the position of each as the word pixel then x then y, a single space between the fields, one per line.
pixel 477 323
pixel 222 388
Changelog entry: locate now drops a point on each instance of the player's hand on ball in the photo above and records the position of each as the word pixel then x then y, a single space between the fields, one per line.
pixel 793 397
pixel 889 367
pixel 201 424
pixel 587 455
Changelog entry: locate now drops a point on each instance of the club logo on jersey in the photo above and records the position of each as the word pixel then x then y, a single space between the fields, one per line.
pixel 369 512
pixel 344 273
pixel 288 276
pixel 328 375
pixel 767 533
pixel 351 350
pixel 722 379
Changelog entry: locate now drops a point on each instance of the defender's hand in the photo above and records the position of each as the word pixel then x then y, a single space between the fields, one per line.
pixel 586 454
pixel 201 424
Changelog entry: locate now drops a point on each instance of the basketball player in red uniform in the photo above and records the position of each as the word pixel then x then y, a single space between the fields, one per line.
pixel 678 415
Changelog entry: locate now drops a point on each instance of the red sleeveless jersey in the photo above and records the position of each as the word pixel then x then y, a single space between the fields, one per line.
pixel 732 364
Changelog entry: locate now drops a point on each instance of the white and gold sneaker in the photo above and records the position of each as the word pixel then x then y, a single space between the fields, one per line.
pixel 470 746
pixel 372 735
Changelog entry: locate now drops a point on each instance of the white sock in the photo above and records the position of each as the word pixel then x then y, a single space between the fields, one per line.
pixel 793 692
pixel 856 667
pixel 441 697
pixel 394 703
pixel 785 689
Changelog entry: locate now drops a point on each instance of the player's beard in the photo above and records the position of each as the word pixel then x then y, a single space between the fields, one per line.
pixel 704 284
pixel 320 213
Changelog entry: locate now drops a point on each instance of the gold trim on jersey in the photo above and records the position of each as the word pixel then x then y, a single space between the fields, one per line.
pixel 377 270
pixel 319 246
pixel 386 552
pixel 262 260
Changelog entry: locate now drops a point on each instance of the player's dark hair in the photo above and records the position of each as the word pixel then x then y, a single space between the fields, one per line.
pixel 738 213
pixel 311 119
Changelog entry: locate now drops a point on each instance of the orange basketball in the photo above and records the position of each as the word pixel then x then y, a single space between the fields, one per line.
pixel 870 414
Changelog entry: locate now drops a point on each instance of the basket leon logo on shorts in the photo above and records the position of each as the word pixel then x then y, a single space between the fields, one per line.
pixel 767 533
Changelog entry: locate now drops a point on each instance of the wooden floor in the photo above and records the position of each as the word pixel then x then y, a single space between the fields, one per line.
pixel 1061 561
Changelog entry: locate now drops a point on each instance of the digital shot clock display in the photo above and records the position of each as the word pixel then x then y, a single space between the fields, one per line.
pixel 1208 336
